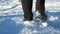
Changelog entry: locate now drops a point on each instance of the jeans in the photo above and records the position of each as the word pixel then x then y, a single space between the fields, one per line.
pixel 27 8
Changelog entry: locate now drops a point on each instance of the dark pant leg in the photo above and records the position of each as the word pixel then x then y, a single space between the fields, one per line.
pixel 40 6
pixel 27 9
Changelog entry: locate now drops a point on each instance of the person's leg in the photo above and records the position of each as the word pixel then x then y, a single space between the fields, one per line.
pixel 40 8
pixel 40 5
pixel 27 9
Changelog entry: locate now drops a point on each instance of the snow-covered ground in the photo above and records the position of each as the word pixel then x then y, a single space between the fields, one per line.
pixel 11 18
pixel 15 7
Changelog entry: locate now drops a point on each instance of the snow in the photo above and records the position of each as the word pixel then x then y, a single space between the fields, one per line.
pixel 11 19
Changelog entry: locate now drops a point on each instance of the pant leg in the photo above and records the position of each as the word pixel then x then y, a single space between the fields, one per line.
pixel 40 6
pixel 27 9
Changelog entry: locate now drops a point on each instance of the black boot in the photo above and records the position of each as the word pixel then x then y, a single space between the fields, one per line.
pixel 41 16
